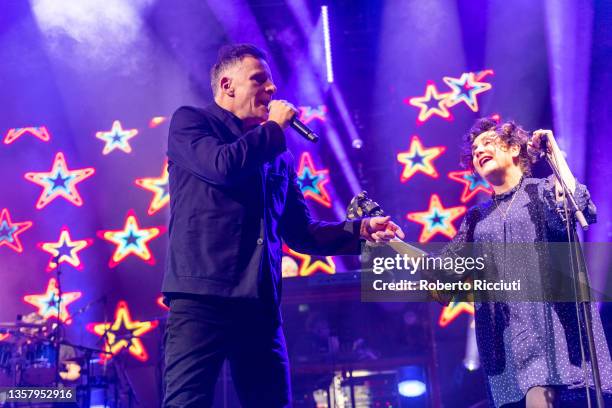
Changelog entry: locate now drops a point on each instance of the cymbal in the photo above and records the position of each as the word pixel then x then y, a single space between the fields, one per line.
pixel 19 325
pixel 75 360
pixel 20 335
pixel 85 348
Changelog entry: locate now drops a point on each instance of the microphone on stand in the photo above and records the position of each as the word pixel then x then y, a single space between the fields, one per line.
pixel 565 184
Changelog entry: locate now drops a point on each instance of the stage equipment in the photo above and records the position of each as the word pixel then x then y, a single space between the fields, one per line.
pixel 565 184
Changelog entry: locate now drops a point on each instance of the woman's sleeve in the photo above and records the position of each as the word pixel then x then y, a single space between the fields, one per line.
pixel 557 219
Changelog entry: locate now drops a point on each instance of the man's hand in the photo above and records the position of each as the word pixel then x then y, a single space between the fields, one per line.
pixel 281 112
pixel 380 229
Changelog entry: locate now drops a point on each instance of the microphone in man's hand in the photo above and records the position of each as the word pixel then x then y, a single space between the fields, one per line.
pixel 304 130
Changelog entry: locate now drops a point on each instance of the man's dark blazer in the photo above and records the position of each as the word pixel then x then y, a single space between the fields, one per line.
pixel 233 196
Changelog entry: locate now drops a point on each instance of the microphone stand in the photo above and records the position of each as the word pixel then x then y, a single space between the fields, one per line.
pixel 83 309
pixel 582 292
pixel 87 350
pixel 107 348
pixel 58 330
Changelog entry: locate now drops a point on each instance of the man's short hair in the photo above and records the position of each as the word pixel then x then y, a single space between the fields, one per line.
pixel 228 56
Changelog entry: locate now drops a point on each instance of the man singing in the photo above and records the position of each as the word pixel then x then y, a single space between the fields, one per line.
pixel 234 197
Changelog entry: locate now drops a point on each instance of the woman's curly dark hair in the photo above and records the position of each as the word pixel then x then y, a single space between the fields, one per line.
pixel 509 132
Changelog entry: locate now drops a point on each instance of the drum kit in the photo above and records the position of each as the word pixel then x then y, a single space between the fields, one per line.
pixel 26 353
pixel 33 355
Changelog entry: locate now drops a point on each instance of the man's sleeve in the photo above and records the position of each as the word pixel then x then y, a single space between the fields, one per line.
pixel 193 145
pixel 303 234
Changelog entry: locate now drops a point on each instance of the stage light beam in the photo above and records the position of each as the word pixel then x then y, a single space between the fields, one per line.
pixel 327 44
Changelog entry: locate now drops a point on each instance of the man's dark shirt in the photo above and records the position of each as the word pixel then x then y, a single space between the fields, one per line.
pixel 233 196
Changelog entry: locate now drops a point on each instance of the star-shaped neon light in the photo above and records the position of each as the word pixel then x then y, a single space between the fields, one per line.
pixel 418 158
pixel 160 302
pixel 156 121
pixel 453 310
pixel 472 184
pixel 59 182
pixel 437 219
pixel 309 113
pixel 430 104
pixel 310 264
pixel 466 88
pixel 123 333
pixel 39 132
pixel 48 302
pixel 480 75
pixel 131 240
pixel 312 181
pixel 117 138
pixel 9 231
pixel 159 187
pixel 65 250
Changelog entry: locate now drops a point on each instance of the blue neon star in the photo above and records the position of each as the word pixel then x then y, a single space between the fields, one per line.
pixel 309 182
pixel 49 305
pixel 52 303
pixel 9 231
pixel 159 187
pixel 123 333
pixel 65 250
pixel 117 138
pixel 6 232
pixel 132 239
pixel 417 159
pixel 437 219
pixel 59 181
pixel 465 89
pixel 312 181
pixel 476 181
pixel 472 184
pixel 165 187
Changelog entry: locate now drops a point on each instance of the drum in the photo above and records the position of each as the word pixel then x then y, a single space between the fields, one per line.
pixel 101 374
pixel 7 352
pixel 40 363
